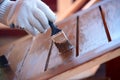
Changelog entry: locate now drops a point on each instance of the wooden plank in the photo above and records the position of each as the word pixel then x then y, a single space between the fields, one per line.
pixel 18 52
pixel 97 56
pixel 111 12
pixel 62 5
pixel 4 50
pixel 89 4
pixel 35 61
pixel 71 34
pixel 93 27
pixel 60 62
pixel 90 24
pixel 72 9
pixel 92 33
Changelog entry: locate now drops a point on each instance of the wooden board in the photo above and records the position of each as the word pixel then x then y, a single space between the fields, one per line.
pixel 77 65
pixel 18 53
pixel 91 35
pixel 29 57
pixel 36 59
pixel 112 16
pixel 91 31
pixel 55 58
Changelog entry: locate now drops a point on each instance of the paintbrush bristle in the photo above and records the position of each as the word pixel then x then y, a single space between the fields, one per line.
pixel 61 41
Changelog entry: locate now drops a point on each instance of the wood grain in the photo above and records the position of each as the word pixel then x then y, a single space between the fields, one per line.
pixel 97 56
pixel 112 17
pixel 91 35
pixel 18 53
pixel 72 9
pixel 36 59
pixel 69 27
pixel 28 56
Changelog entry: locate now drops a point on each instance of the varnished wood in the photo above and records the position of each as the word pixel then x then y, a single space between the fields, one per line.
pixel 88 40
pixel 17 54
pixel 35 61
pixel 112 17
pixel 28 56
pixel 97 56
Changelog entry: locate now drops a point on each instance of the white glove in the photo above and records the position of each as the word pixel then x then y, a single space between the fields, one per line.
pixel 4 10
pixel 31 15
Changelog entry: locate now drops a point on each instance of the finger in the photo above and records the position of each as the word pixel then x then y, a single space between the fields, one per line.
pixel 48 12
pixel 35 23
pixel 30 29
pixel 41 17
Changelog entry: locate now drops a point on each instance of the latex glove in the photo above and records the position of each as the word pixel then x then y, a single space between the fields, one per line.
pixel 31 15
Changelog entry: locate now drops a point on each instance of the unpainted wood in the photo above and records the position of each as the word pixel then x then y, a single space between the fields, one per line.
pixel 78 4
pixel 62 5
pixel 90 3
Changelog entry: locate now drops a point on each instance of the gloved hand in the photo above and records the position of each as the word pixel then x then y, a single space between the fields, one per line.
pixel 30 15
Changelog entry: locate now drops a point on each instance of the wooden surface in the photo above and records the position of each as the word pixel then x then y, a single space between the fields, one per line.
pixel 29 57
pixel 78 4
pixel 90 24
pixel 112 17
pixel 36 59
pixel 17 54
pixel 87 61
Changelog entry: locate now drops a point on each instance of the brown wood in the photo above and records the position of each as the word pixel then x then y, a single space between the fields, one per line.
pixel 97 56
pixel 78 4
pixel 90 3
pixel 90 24
pixel 112 17
pixel 7 32
pixel 113 69
pixel 62 5
pixel 35 61
pixel 28 56
pixel 18 53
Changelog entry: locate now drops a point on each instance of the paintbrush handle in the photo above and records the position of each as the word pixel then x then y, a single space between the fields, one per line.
pixel 54 28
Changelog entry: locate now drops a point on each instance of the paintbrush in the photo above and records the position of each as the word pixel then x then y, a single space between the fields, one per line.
pixel 59 38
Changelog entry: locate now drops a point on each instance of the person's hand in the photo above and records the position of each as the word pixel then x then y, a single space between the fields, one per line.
pixel 30 15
